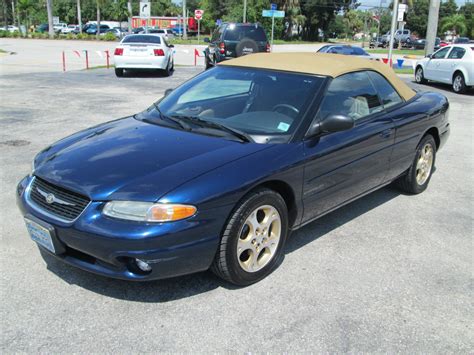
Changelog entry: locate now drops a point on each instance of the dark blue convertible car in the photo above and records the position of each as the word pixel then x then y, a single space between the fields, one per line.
pixel 218 172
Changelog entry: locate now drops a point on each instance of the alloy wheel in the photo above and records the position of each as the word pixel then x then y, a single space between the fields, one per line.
pixel 424 164
pixel 259 238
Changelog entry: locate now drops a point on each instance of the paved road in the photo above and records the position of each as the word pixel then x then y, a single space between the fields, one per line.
pixel 388 273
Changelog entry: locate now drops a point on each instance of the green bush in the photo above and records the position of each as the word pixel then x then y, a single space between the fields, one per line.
pixel 3 34
pixel 16 34
pixel 109 36
pixel 82 36
pixel 70 36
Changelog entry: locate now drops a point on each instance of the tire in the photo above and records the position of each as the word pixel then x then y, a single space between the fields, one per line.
pixel 167 71
pixel 459 85
pixel 245 253
pixel 119 72
pixel 414 182
pixel 419 76
pixel 246 46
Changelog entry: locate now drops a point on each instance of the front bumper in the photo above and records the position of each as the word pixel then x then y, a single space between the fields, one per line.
pixel 108 247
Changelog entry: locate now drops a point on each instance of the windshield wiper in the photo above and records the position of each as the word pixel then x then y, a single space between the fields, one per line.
pixel 211 124
pixel 176 120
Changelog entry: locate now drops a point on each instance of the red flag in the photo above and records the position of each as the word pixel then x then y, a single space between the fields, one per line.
pixel 196 52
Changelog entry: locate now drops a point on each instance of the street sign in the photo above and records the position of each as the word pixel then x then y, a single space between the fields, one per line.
pixel 273 13
pixel 144 9
pixel 402 8
pixel 198 14
pixel 273 6
pixel 55 20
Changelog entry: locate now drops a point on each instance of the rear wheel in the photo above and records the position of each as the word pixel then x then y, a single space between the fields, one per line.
pixel 253 241
pixel 459 85
pixel 169 68
pixel 419 76
pixel 417 178
pixel 119 72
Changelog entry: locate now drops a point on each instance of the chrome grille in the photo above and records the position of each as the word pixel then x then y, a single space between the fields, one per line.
pixel 57 201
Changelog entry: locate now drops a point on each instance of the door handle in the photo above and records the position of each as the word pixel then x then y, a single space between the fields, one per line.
pixel 386 133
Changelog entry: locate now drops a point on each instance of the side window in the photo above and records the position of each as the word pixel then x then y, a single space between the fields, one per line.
pixel 352 95
pixel 441 53
pixel 387 93
pixel 457 53
pixel 217 33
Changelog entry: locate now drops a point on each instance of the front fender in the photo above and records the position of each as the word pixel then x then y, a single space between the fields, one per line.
pixel 227 184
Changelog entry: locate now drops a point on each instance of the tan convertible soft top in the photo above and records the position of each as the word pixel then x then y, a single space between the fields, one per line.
pixel 332 65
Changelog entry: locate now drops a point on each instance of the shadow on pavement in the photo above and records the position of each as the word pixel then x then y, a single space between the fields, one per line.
pixel 191 285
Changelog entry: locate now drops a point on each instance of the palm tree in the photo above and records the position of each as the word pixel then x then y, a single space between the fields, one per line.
pixel 294 17
pixel 455 23
pixel 25 8
pixel 120 10
pixel 79 17
pixel 49 8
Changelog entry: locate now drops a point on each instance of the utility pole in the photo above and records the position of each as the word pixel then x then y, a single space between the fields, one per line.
pixel 432 26
pixel 79 17
pixel 129 8
pixel 185 20
pixel 392 30
pixel 13 14
pixel 245 12
pixel 49 9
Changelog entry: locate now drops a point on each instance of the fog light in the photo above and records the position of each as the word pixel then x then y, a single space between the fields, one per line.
pixel 142 265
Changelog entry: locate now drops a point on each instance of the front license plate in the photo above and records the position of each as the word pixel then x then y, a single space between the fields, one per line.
pixel 40 235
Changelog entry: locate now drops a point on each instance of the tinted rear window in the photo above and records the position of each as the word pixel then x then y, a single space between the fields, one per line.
pixel 142 39
pixel 237 33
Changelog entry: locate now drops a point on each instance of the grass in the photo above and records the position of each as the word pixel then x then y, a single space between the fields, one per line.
pixel 420 52
pixel 403 71
pixel 2 51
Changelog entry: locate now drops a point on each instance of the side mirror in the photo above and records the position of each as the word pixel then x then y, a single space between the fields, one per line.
pixel 168 91
pixel 331 124
pixel 429 56
pixel 171 46
pixel 207 40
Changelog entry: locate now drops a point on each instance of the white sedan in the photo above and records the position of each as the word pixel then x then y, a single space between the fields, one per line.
pixel 453 64
pixel 144 51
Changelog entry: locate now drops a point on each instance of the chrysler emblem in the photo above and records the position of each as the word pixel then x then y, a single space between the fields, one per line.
pixel 50 198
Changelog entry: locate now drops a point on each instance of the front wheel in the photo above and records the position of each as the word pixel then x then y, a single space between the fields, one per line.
pixel 252 244
pixel 459 85
pixel 417 178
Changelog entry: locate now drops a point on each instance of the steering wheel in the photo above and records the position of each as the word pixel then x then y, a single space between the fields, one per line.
pixel 287 107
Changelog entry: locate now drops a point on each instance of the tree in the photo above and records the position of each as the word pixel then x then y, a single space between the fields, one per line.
pixel 49 9
pixel 468 11
pixel 455 23
pixel 25 9
pixel 120 11
pixel 417 17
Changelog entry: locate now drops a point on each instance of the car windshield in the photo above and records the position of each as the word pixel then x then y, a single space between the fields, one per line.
pixel 266 105
pixel 237 33
pixel 142 39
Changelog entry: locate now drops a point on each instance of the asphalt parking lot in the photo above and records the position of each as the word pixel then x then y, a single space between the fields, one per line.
pixel 387 273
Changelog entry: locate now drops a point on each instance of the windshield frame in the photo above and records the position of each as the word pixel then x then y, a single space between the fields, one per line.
pixel 307 109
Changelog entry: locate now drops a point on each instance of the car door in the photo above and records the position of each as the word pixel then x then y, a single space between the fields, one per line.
pixel 432 67
pixel 342 165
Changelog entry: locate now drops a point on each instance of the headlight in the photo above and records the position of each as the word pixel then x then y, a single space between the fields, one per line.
pixel 148 211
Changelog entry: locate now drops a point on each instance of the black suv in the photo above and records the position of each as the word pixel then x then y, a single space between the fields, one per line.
pixel 231 40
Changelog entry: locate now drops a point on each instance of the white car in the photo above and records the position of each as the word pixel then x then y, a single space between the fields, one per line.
pixel 144 51
pixel 69 29
pixel 59 27
pixel 453 64
pixel 9 28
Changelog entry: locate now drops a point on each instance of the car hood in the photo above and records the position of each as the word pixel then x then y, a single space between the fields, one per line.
pixel 129 159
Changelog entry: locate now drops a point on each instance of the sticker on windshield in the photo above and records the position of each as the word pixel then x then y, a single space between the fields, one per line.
pixel 283 126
